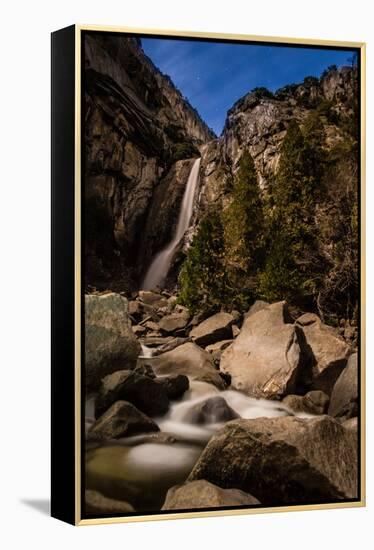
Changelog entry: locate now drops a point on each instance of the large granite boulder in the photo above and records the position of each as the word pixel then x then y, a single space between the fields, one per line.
pixel 214 409
pixel 142 391
pixel 283 460
pixel 175 386
pixel 110 344
pixel 202 494
pixel 99 505
pixel 329 352
pixel 121 420
pixel 190 360
pixel 213 329
pixel 265 359
pixel 344 396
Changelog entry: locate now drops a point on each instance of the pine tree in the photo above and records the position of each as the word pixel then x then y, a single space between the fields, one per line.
pixel 243 228
pixel 292 255
pixel 202 279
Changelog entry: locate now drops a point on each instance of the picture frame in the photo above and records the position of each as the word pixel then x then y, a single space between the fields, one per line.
pixel 73 142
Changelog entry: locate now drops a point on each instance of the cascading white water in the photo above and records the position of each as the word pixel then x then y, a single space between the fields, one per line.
pixel 160 265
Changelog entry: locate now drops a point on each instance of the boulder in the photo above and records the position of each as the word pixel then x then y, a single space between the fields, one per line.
pixel 110 344
pixel 218 346
pixel 352 425
pixel 173 322
pixel 153 299
pixel 213 329
pixel 170 344
pixel 143 392
pixel 329 352
pixel 265 359
pixel 283 460
pixel 175 386
pixel 121 420
pixel 214 409
pixel 344 395
pixel 156 341
pixel 257 306
pixel 314 402
pixel 99 505
pixel 190 360
pixel 202 494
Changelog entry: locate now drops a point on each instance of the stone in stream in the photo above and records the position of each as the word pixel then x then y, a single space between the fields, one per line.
pixel 190 360
pixel 283 460
pixel 171 344
pixel 211 411
pixel 330 352
pixel 213 329
pixel 202 494
pixel 121 420
pixel 314 402
pixel 265 359
pixel 175 386
pixel 344 397
pixel 109 341
pixel 99 505
pixel 143 392
pixel 174 321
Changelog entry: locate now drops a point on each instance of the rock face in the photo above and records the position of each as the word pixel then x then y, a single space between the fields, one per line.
pixel 190 360
pixel 314 402
pixel 344 396
pixel 330 352
pixel 211 411
pixel 202 494
pixel 109 341
pixel 265 358
pixel 213 329
pixel 139 129
pixel 283 460
pixel 121 420
pixel 99 505
pixel 143 392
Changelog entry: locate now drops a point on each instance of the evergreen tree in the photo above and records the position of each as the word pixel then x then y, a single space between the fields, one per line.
pixel 202 278
pixel 291 269
pixel 243 229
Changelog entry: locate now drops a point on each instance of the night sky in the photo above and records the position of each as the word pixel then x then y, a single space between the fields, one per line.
pixel 212 76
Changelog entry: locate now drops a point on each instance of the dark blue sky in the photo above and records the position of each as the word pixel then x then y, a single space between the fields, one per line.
pixel 215 75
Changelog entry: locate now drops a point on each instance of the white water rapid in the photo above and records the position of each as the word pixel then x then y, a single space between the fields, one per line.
pixel 160 265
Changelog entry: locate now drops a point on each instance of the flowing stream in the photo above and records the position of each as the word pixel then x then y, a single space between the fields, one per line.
pixel 141 468
pixel 160 265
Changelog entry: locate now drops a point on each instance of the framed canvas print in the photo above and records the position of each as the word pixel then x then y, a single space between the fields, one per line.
pixel 207 274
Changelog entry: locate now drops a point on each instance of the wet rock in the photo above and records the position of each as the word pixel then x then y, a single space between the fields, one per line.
pixel 314 402
pixel 330 352
pixel 283 460
pixel 143 392
pixel 174 321
pixel 214 409
pixel 344 395
pixel 213 329
pixel 109 341
pixel 121 420
pixel 99 505
pixel 202 494
pixel 190 360
pixel 175 386
pixel 265 359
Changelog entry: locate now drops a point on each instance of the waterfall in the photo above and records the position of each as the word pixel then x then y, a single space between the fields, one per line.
pixel 160 265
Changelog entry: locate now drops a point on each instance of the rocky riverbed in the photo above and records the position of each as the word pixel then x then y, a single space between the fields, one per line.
pixel 233 410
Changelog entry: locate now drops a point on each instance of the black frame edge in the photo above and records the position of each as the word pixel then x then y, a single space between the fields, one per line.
pixel 62 274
